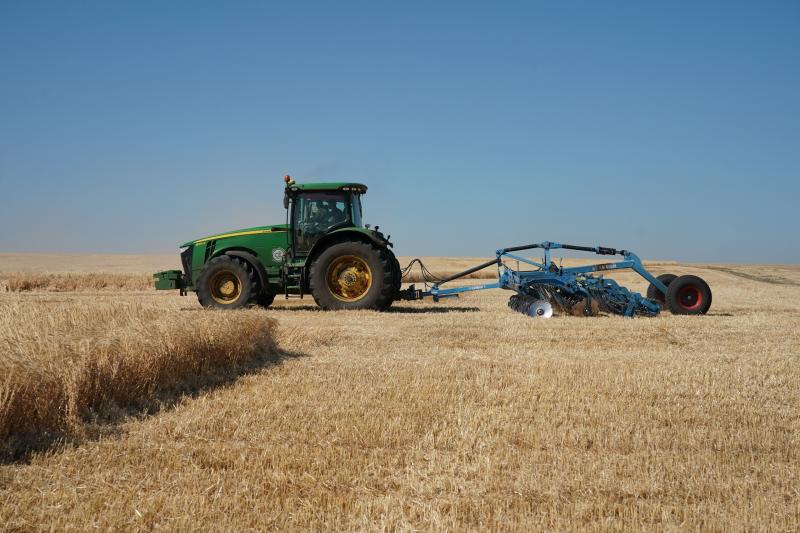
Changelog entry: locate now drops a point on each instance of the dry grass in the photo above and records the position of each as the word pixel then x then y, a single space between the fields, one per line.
pixel 453 416
pixel 81 272
pixel 74 282
pixel 67 364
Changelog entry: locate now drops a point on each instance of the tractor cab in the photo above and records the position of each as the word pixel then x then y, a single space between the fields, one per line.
pixel 317 209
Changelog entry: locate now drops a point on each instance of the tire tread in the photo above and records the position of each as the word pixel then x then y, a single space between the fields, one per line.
pixel 677 284
pixel 233 263
pixel 385 274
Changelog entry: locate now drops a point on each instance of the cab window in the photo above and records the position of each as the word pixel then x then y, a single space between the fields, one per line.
pixel 315 214
pixel 357 216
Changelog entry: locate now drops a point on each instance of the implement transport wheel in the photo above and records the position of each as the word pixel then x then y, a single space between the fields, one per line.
pixel 688 295
pixel 227 283
pixel 352 275
pixel 654 294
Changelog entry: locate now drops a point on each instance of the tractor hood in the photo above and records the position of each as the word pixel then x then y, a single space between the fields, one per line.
pixel 238 233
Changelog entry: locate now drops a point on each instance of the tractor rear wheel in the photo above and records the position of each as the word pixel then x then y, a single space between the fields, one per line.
pixel 397 278
pixel 654 294
pixel 688 295
pixel 352 275
pixel 227 283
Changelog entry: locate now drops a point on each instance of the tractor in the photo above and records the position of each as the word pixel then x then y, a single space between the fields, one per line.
pixel 324 249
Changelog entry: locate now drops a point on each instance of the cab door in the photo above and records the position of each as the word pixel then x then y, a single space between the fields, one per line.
pixel 314 214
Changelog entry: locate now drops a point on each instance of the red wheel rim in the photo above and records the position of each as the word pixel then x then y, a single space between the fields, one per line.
pixel 690 297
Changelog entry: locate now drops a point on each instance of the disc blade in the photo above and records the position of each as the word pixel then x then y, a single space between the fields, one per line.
pixel 540 309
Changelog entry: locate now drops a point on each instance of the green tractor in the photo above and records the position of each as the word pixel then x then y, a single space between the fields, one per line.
pixel 324 249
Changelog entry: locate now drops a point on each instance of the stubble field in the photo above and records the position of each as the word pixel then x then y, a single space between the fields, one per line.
pixel 121 407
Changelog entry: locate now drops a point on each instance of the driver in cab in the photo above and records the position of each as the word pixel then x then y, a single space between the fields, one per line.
pixel 326 215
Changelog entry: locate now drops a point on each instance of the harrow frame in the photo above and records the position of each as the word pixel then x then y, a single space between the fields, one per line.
pixel 577 281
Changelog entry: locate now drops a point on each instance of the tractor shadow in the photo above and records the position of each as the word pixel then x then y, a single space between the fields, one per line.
pixel 285 308
pixel 432 310
pixel 108 421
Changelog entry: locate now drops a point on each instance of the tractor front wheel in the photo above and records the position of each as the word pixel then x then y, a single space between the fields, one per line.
pixel 688 295
pixel 352 275
pixel 226 283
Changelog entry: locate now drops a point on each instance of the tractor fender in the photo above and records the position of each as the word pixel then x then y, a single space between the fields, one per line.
pixel 254 261
pixel 345 235
pixel 352 235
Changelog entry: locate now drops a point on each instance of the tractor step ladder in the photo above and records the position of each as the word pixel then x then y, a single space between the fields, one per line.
pixel 293 280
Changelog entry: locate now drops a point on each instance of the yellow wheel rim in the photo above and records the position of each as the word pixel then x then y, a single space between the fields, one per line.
pixel 349 278
pixel 225 287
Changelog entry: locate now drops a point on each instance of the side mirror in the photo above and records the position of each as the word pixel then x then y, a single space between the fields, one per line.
pixel 285 201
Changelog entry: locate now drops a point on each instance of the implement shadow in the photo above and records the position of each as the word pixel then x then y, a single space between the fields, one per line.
pixel 107 422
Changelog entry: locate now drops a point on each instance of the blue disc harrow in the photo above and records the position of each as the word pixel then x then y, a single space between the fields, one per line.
pixel 545 286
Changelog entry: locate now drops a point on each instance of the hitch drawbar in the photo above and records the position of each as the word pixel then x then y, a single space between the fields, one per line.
pixel 575 290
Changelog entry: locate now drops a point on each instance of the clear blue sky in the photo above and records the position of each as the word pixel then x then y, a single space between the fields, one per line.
pixel 669 128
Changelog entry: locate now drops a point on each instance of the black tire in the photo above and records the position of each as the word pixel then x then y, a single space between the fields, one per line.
pixel 265 300
pixel 397 279
pixel 227 269
pixel 378 295
pixel 654 294
pixel 688 295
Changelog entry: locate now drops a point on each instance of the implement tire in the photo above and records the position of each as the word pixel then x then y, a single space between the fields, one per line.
pixel 654 294
pixel 352 275
pixel 688 295
pixel 227 283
